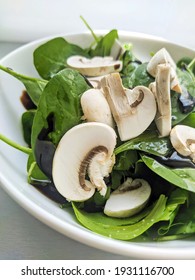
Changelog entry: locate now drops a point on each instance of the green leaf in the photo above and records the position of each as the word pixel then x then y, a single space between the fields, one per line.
pixel 138 77
pixel 187 80
pixel 59 108
pixel 34 86
pixel 125 160
pixel 176 199
pixel 181 177
pixel 148 142
pixel 125 231
pixel 104 45
pixel 34 172
pixel 189 120
pixel 27 122
pixel 51 57
pixel 177 115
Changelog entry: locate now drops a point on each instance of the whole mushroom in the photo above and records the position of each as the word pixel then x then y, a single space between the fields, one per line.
pixel 95 107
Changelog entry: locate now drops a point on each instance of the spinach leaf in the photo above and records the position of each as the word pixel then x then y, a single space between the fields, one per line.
pixel 158 184
pixel 189 120
pixel 130 63
pixel 187 80
pixel 124 231
pixel 176 199
pixel 104 45
pixel 59 108
pixel 148 142
pixel 177 115
pixel 125 160
pixel 139 76
pixel 184 222
pixel 51 57
pixel 186 62
pixel 27 121
pixel 34 172
pixel 34 86
pixel 180 177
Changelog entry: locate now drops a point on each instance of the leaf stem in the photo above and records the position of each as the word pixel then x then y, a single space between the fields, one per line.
pixel 90 29
pixel 15 145
pixel 191 63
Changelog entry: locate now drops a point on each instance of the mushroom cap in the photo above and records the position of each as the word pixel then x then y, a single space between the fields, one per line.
pixel 122 204
pixel 95 107
pixel 75 147
pixel 160 57
pixel 96 66
pixel 183 140
pixel 163 57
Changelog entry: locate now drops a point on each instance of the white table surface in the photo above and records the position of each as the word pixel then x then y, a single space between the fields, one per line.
pixel 21 235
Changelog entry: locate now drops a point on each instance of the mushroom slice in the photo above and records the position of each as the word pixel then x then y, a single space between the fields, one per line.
pixel 183 140
pixel 95 107
pixel 96 66
pixel 85 146
pixel 133 110
pixel 129 199
pixel 95 81
pixel 163 98
pixel 163 57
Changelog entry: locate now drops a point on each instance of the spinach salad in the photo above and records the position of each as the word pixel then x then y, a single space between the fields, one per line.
pixel 112 137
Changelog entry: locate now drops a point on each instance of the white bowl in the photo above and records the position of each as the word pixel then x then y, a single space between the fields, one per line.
pixel 13 177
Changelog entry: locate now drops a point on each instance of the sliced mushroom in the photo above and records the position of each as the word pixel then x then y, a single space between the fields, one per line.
pixel 96 66
pixel 86 150
pixel 183 140
pixel 163 57
pixel 163 98
pixel 95 81
pixel 129 199
pixel 95 107
pixel 133 110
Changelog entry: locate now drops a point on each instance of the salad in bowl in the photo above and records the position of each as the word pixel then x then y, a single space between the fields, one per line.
pixel 110 135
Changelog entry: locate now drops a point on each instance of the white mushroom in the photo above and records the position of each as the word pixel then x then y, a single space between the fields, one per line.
pixel 95 107
pixel 133 110
pixel 96 66
pixel 183 140
pixel 95 81
pixel 129 199
pixel 86 149
pixel 163 57
pixel 163 98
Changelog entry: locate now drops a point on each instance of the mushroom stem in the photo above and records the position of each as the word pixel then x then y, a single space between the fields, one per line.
pixel 163 98
pixel 86 162
pixel 163 57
